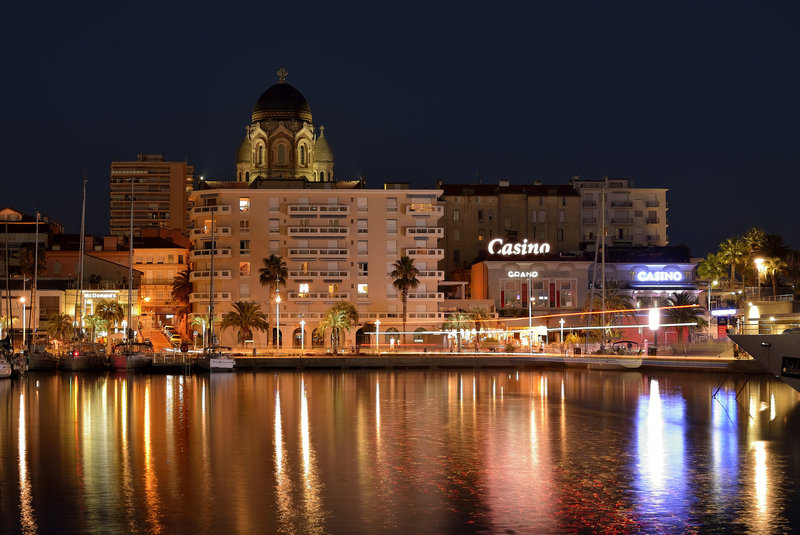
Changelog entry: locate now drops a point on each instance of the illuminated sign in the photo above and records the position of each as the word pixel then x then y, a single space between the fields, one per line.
pixel 523 274
pixel 667 275
pixel 496 246
pixel 724 312
pixel 100 295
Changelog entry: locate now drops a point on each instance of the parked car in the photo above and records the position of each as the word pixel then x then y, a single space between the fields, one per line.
pixel 175 338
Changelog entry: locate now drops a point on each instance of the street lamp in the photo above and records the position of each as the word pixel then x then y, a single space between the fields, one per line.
pixel 530 317
pixel 377 336
pixel 277 322
pixel 655 323
pixel 759 268
pixel 302 335
pixel 22 300
pixel 561 322
pixel 711 284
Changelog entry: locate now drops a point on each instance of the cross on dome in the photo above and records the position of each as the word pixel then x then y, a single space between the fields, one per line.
pixel 282 75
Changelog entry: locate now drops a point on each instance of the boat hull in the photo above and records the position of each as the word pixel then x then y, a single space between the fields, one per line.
pixel 42 362
pixel 216 364
pixel 779 354
pixel 5 369
pixel 135 361
pixel 81 363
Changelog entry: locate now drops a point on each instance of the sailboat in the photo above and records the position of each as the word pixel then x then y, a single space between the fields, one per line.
pixel 82 355
pixel 131 354
pixel 214 358
pixel 38 357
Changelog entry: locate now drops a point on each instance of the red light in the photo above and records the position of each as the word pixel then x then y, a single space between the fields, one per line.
pixel 75 353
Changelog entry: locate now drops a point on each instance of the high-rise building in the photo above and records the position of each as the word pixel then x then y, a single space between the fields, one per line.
pixel 160 192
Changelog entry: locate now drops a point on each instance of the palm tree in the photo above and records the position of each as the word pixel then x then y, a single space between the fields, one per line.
pixel 202 321
pixel 618 304
pixel 711 268
pixel 405 279
pixel 774 246
pixel 111 312
pixel 458 321
pixel 479 315
pixel 182 294
pixel 95 323
pixel 246 316
pixel 733 251
pixel 688 314
pixel 341 317
pixel 273 274
pixel 60 327
pixel 775 266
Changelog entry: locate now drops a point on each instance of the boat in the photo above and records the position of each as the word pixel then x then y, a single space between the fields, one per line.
pixel 131 356
pixel 84 356
pixel 216 359
pixel 613 363
pixel 779 354
pixel 5 368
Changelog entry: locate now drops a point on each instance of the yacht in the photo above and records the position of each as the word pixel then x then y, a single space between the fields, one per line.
pixel 131 355
pixel 779 354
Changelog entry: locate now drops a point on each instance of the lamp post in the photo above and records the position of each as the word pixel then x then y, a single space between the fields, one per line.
pixel 711 284
pixel 24 337
pixel 277 322
pixel 759 267
pixel 561 322
pixel 655 323
pixel 302 335
pixel 530 317
pixel 377 336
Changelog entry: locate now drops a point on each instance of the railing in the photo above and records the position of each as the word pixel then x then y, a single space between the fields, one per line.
pixel 202 253
pixel 651 204
pixel 430 275
pixel 338 296
pixel 652 220
pixel 218 231
pixel 203 296
pixel 315 274
pixel 589 204
pixel 424 209
pixel 425 231
pixel 218 274
pixel 219 209
pixel 626 237
pixel 622 220
pixel 622 204
pixel 589 220
pixel 310 209
pixel 339 253
pixel 425 252
pixel 338 231
pixel 653 237
pixel 426 295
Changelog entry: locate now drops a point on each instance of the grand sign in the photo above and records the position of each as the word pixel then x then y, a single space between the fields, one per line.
pixel 496 246
pixel 523 274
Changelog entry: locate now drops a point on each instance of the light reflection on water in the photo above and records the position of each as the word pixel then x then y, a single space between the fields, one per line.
pixel 398 451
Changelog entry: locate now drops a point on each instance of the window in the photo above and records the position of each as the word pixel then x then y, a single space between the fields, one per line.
pixel 274 225
pixel 507 223
pixel 560 234
pixel 362 204
pixel 363 289
pixel 481 234
pixel 456 234
pixel 362 226
pixel 244 246
pixel 244 269
pixel 274 246
pixel 363 269
pixel 57 267
pixel 566 293
pixel 281 154
pixel 561 216
pixel 244 204
pixel 391 226
pixel 456 215
pixel 391 247
pixel 457 257
pixel 362 246
pixel 480 216
pixel 541 216
pixel 244 290
pixel 302 155
pixel 273 204
pixel 391 204
pixel 333 288
pixel 244 225
pixel 303 289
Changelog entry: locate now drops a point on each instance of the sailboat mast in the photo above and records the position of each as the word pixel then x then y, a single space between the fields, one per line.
pixel 130 273
pixel 79 300
pixel 603 257
pixel 211 292
pixel 34 319
pixel 9 331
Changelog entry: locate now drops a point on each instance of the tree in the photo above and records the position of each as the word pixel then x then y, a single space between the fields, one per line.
pixel 202 321
pixel 687 314
pixel 405 279
pixel 111 312
pixel 246 316
pixel 479 316
pixel 711 268
pixel 95 323
pixel 182 294
pixel 458 321
pixel 774 266
pixel 774 246
pixel 60 327
pixel 733 252
pixel 341 317
pixel 618 305
pixel 272 275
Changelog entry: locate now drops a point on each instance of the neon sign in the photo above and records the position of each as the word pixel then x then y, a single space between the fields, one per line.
pixel 100 295
pixel 658 276
pixel 523 274
pixel 496 246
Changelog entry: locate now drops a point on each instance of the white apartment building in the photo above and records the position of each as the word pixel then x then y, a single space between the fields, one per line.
pixel 339 242
pixel 633 216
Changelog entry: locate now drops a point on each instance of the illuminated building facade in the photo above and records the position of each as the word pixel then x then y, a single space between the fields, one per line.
pixel 160 194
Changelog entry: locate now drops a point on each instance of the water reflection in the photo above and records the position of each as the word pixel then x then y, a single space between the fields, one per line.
pixel 404 451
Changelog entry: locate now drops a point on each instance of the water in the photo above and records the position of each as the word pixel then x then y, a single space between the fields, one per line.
pixel 404 451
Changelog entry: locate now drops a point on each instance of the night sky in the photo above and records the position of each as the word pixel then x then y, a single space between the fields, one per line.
pixel 700 98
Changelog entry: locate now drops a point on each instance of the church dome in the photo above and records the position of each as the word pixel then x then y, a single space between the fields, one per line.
pixel 282 102
pixel 244 152
pixel 322 151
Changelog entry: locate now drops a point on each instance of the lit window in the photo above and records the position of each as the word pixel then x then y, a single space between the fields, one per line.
pixel 362 289
pixel 303 289
pixel 244 204
pixel 244 269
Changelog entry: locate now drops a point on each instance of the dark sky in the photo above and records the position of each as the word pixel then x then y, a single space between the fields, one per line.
pixel 697 97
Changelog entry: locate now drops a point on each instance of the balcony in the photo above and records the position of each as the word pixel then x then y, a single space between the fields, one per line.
pixel 622 204
pixel 589 204
pixel 438 232
pixel 622 220
pixel 318 209
pixel 222 274
pixel 652 220
pixel 438 275
pixel 206 232
pixel 206 253
pixel 202 297
pixel 653 238
pixel 620 239
pixel 314 254
pixel 318 231
pixel 438 296
pixel 424 209
pixel 318 274
pixel 325 296
pixel 217 209
pixel 652 204
pixel 589 220
pixel 425 253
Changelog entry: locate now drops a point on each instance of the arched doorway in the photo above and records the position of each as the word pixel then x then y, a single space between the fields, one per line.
pixel 299 338
pixel 317 339
pixel 364 335
pixel 419 335
pixel 392 337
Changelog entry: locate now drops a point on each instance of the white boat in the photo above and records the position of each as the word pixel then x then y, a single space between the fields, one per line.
pixel 779 354
pixel 131 356
pixel 216 360
pixel 5 368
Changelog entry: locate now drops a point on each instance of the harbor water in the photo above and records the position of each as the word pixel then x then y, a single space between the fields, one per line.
pixel 399 451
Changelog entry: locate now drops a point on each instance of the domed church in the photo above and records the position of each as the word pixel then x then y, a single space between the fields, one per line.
pixel 280 141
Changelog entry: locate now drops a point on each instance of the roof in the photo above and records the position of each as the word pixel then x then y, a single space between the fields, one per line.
pixel 559 190
pixel 281 102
